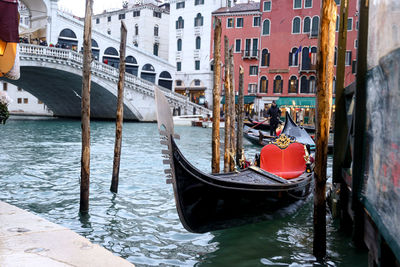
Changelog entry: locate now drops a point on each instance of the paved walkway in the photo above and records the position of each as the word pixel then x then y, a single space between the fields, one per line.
pixel 28 240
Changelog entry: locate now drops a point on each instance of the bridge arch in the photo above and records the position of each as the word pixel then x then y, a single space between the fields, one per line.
pixel 111 57
pixel 67 39
pixel 165 80
pixel 131 65
pixel 148 73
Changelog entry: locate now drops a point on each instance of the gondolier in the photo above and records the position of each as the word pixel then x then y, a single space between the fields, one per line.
pixel 274 113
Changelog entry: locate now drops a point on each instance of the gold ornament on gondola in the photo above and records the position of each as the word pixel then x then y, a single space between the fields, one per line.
pixel 283 141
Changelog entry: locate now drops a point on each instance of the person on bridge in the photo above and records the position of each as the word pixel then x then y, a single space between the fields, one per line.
pixel 274 113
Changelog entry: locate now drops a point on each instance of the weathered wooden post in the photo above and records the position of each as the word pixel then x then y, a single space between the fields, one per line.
pixel 326 50
pixel 239 137
pixel 232 111
pixel 85 110
pixel 120 111
pixel 215 158
pixel 227 86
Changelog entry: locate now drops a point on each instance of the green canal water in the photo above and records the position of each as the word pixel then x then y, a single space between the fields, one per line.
pixel 40 172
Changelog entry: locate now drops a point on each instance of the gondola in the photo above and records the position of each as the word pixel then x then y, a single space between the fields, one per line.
pixel 208 202
pixel 290 129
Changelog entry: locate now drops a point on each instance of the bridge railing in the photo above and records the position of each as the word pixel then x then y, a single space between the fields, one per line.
pixel 75 57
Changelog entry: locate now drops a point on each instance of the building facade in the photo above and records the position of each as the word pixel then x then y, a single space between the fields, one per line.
pixel 189 44
pixel 280 59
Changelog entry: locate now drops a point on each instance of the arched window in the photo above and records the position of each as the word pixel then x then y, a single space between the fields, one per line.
pixel 304 85
pixel 337 22
pixel 265 57
pixel 136 29
pixel 296 25
pixel 67 39
pixel 131 65
pixel 198 20
pixel 179 45
pixel 156 30
pixel 266 27
pixel 278 84
pixel 334 85
pixel 312 85
pixel 306 25
pixel 263 85
pixel 68 33
pixel 111 57
pixel 148 73
pixel 111 51
pixel 95 50
pixel 315 26
pixel 165 80
pixel 198 42
pixel 294 57
pixel 179 23
pixel 305 59
pixel 155 49
pixel 313 55
pixel 293 85
pixel 335 58
pixel 148 67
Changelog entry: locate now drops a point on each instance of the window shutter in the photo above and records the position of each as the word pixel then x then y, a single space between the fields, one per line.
pixel 290 58
pixel 269 56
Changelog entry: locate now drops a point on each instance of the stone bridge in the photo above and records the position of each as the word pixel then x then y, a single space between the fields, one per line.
pixel 54 75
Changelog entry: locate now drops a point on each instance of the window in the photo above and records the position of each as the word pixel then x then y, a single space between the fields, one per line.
pixel 97 21
pixel 19 100
pixel 136 29
pixel 19 89
pixel 256 21
pixel 337 23
pixel 155 49
pixel 334 85
pixel 121 16
pixel 178 83
pixel 307 3
pixel 198 42
pixel 253 70
pixel 357 25
pixel 109 18
pixel 356 43
pixel 197 64
pixel 238 45
pixel 348 58
pixel 180 5
pixel 296 25
pixel 178 66
pixel 239 22
pixel 293 85
pixel 294 57
pixel 198 20
pixel 296 5
pixel 263 85
pixel 267 6
pixel 247 48
pixel 266 27
pixel 179 45
pixel 229 23
pixel 156 30
pixel 265 58
pixel 5 86
pixel 135 44
pixel 109 31
pixel 198 2
pixel 335 58
pixel 252 88
pixel 354 67
pixel 312 85
pixel 315 26
pixel 350 24
pixel 304 85
pixel 337 2
pixel 157 14
pixel 179 23
pixel 313 55
pixel 306 25
pixel 255 47
pixel 25 100
pixel 278 84
pixel 136 13
pixel 196 82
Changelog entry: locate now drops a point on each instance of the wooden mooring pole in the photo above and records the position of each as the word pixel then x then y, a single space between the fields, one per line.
pixel 120 111
pixel 227 86
pixel 326 50
pixel 215 142
pixel 232 111
pixel 85 109
pixel 239 136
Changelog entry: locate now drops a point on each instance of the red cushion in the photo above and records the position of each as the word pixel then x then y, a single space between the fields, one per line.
pixel 287 163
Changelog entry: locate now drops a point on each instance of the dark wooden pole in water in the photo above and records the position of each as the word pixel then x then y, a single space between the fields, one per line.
pixel 215 158
pixel 232 111
pixel 323 106
pixel 341 129
pixel 239 137
pixel 227 87
pixel 85 110
pixel 120 111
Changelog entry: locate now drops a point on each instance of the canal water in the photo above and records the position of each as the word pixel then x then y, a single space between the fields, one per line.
pixel 40 172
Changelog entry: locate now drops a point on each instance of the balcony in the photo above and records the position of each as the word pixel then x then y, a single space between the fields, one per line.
pixel 307 68
pixel 250 54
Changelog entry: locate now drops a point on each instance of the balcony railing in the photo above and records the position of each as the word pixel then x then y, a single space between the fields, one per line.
pixel 250 54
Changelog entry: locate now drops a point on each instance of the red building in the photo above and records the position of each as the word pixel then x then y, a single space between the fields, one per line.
pixel 276 43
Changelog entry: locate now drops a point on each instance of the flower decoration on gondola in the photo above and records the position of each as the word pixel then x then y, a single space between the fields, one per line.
pixel 4 101
pixel 283 141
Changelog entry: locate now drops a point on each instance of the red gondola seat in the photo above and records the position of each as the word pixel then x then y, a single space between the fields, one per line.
pixel 286 162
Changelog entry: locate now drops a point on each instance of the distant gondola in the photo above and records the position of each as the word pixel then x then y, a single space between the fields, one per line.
pixel 208 202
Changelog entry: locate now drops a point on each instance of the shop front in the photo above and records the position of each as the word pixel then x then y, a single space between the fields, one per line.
pixel 195 94
pixel 248 103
